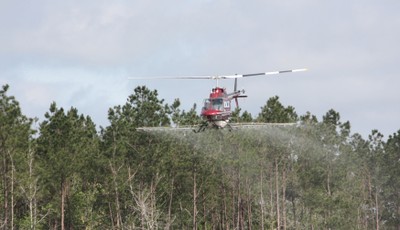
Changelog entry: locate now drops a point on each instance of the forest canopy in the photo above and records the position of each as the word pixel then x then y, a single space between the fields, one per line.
pixel 66 174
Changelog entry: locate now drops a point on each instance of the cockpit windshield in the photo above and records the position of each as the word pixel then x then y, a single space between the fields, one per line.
pixel 215 103
pixel 207 104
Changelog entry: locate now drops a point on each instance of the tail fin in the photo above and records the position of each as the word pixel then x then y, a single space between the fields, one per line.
pixel 235 90
pixel 235 87
pixel 237 93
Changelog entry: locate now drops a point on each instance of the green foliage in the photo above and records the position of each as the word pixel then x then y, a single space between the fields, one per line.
pixel 315 175
pixel 15 138
pixel 274 112
pixel 238 117
pixel 67 152
pixel 145 109
pixel 182 118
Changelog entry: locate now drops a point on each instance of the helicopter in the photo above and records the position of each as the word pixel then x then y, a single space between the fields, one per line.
pixel 217 110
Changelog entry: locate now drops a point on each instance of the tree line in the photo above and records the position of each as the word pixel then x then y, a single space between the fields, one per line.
pixel 66 174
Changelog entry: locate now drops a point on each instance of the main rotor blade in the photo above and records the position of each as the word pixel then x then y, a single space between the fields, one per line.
pixel 168 77
pixel 273 72
pixel 217 77
pixel 187 77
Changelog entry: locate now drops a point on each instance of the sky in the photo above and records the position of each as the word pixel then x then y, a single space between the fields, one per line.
pixel 81 53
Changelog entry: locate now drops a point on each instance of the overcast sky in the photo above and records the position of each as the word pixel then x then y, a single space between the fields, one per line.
pixel 80 54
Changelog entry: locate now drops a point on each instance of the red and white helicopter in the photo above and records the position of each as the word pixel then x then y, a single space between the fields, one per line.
pixel 217 111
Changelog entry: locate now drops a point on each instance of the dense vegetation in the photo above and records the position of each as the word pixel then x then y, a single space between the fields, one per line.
pixel 317 175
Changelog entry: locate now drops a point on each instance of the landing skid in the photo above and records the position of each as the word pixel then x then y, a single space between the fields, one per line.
pixel 202 127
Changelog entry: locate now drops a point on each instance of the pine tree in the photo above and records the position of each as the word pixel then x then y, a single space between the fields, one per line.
pixel 274 112
pixel 15 139
pixel 67 150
